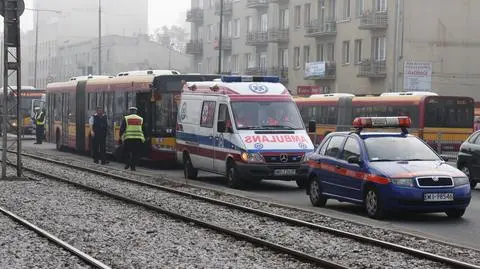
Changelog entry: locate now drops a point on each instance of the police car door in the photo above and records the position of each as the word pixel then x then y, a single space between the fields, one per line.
pixel 350 181
pixel 223 137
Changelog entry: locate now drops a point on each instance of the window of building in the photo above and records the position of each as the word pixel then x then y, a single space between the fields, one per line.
pixel 284 57
pixel 296 57
pixel 346 52
pixel 320 55
pixel 236 28
pixel 211 32
pixel 297 16
pixel 235 64
pixel 263 22
pixel 346 9
pixel 306 11
pixel 284 19
pixel 209 66
pixel 358 51
pixel 379 48
pixel 211 4
pixel 228 64
pixel 380 5
pixel 250 60
pixel 306 55
pixel 359 7
pixel 249 21
pixel 229 28
pixel 331 52
pixel 262 60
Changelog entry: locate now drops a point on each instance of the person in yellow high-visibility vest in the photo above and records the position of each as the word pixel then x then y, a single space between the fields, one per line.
pixel 39 119
pixel 131 133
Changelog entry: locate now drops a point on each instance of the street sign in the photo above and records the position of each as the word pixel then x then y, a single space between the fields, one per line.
pixel 20 9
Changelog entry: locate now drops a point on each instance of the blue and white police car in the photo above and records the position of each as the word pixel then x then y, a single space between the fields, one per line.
pixel 385 171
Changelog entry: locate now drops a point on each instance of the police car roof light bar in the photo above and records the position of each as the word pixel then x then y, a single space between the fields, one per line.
pixel 271 79
pixel 402 122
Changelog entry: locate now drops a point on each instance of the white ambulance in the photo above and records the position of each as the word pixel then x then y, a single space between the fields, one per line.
pixel 245 128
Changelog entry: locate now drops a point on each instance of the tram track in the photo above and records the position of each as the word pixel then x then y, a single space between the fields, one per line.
pixel 284 219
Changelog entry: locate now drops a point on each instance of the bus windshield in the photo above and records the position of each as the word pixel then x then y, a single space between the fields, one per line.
pixel 254 115
pixel 449 112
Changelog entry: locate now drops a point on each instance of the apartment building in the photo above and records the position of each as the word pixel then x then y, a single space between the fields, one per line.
pixel 354 46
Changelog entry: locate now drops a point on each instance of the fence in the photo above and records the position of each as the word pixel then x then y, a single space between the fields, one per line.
pixel 445 143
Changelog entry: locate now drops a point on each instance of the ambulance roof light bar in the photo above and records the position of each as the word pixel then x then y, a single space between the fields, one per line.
pixel 272 79
pixel 402 122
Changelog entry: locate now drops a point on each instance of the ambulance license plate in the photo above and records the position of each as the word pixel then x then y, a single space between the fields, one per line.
pixel 284 172
pixel 437 197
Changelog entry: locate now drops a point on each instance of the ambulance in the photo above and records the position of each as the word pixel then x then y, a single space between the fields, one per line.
pixel 245 128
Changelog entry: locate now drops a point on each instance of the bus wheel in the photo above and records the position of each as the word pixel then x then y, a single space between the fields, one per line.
pixel 189 172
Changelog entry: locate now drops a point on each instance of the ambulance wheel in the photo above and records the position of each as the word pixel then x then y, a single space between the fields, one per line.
pixel 233 179
pixel 189 172
pixel 302 183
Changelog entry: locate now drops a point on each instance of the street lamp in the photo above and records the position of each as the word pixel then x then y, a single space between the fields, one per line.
pixel 36 39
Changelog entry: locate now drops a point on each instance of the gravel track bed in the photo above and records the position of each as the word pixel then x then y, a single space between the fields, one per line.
pixel 340 250
pixel 440 248
pixel 23 248
pixel 126 236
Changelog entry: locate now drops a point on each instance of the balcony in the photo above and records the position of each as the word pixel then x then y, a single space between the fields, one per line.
pixel 374 21
pixel 278 35
pixel 257 3
pixel 257 38
pixel 318 28
pixel 321 71
pixel 372 69
pixel 227 7
pixel 195 15
pixel 226 44
pixel 279 1
pixel 194 47
pixel 281 72
pixel 256 71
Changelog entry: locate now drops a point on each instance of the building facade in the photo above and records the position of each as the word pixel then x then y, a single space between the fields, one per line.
pixel 120 54
pixel 60 23
pixel 352 46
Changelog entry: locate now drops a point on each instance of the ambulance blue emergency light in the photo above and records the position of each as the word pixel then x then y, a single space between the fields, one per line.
pixel 271 79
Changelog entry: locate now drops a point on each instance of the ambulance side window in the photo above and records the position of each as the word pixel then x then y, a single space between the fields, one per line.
pixel 208 114
pixel 224 116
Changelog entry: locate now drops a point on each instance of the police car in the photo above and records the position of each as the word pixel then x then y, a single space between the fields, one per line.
pixel 385 171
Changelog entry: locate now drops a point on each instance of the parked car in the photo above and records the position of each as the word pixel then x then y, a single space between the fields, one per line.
pixel 469 158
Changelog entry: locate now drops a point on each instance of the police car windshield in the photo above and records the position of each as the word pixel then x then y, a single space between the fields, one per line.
pixel 398 148
pixel 258 115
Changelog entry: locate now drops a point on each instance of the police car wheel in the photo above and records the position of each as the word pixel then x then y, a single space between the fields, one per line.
pixel 466 170
pixel 315 194
pixel 455 213
pixel 373 205
pixel 189 171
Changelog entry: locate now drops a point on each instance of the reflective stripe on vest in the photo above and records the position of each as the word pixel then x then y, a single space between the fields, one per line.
pixel 37 119
pixel 133 128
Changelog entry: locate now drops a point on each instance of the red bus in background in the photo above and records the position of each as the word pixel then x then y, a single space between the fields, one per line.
pixel 71 103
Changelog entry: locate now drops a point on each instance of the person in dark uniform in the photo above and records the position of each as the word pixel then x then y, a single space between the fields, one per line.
pixel 99 126
pixel 39 119
pixel 132 136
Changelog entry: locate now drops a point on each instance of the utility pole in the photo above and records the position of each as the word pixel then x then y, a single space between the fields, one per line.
pixel 99 37
pixel 220 37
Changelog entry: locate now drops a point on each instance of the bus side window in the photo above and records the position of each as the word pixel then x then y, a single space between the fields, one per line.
pixel 119 107
pixel 72 107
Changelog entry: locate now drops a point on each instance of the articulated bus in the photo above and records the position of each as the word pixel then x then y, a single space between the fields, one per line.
pixel 28 95
pixel 71 103
pixel 445 119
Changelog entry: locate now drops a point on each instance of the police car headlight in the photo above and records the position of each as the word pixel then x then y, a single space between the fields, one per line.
pixel 405 182
pixel 252 157
pixel 459 181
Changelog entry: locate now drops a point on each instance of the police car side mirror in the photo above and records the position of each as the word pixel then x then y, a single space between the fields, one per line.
pixel 312 126
pixel 354 160
pixel 444 157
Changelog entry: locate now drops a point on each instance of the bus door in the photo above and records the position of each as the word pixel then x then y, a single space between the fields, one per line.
pixel 109 99
pixel 81 117
pixel 145 111
pixel 66 118
pixel 344 112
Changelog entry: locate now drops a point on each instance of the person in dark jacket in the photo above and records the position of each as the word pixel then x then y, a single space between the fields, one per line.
pixel 99 127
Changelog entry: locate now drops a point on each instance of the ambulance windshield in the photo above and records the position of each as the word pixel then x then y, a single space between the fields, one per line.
pixel 257 115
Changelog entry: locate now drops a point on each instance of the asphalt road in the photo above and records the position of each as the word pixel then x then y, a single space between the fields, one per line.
pixel 464 231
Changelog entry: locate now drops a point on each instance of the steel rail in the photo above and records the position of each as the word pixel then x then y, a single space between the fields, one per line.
pixel 242 236
pixel 57 241
pixel 322 228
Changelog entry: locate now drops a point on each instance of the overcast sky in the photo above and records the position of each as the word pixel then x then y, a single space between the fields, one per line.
pixel 160 13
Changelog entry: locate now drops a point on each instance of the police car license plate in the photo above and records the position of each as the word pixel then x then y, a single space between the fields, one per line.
pixel 437 197
pixel 284 172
